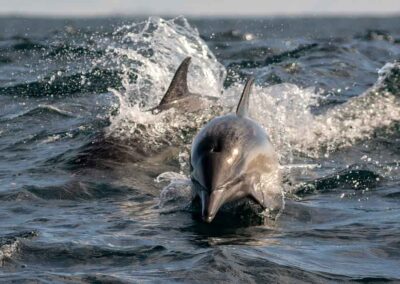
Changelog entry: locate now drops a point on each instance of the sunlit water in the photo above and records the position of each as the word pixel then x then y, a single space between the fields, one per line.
pixel 95 188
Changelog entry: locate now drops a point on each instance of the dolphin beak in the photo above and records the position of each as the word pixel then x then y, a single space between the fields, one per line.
pixel 204 197
pixel 210 204
pixel 211 175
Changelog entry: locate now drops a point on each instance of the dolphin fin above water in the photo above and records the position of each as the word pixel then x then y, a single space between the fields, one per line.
pixel 178 89
pixel 242 109
pixel 178 95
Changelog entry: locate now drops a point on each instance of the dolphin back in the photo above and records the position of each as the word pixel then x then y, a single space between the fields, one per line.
pixel 243 106
pixel 178 89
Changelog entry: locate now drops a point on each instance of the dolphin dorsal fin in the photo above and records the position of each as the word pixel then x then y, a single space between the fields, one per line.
pixel 243 106
pixel 178 88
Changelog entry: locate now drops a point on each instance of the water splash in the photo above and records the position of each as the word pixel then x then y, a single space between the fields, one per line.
pixel 178 193
pixel 285 111
pixel 148 54
pixel 10 243
pixel 357 119
pixel 143 51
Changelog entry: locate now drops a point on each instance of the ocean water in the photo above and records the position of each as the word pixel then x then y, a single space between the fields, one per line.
pixel 93 188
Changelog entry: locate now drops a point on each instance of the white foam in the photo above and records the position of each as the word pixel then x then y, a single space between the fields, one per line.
pixel 178 193
pixel 155 48
pixel 8 250
pixel 151 51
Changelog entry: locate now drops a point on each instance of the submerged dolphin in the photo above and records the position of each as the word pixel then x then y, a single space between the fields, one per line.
pixel 105 148
pixel 178 95
pixel 232 158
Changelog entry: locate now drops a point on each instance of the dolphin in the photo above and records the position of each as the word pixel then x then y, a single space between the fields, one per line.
pixel 178 95
pixel 232 158
pixel 103 148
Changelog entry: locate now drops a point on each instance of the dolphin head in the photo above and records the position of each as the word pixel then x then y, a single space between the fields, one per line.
pixel 227 158
pixel 216 166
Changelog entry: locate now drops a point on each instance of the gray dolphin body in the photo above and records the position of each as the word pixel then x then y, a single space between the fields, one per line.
pixel 232 158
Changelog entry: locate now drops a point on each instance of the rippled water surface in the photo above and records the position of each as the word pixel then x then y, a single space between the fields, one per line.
pixel 80 155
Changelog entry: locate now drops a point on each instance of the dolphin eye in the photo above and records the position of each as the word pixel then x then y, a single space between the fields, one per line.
pixel 210 145
pixel 216 148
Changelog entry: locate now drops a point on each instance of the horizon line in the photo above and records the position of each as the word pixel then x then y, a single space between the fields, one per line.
pixel 221 16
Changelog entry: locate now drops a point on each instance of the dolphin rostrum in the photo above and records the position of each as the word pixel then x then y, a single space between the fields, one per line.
pixel 232 158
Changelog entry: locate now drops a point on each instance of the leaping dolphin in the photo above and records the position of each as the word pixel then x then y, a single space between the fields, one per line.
pixel 232 158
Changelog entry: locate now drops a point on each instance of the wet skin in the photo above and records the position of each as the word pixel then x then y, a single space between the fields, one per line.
pixel 228 158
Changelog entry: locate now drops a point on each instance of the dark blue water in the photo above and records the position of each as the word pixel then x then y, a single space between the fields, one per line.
pixel 79 155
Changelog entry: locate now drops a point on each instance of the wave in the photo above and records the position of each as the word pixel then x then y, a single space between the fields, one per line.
pixel 356 178
pixel 373 35
pixel 94 81
pixel 76 190
pixel 273 59
pixel 9 244
pixel 39 111
pixel 21 44
pixel 357 119
pixel 27 44
pixel 233 35
pixel 73 51
pixel 68 255
pixel 5 60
